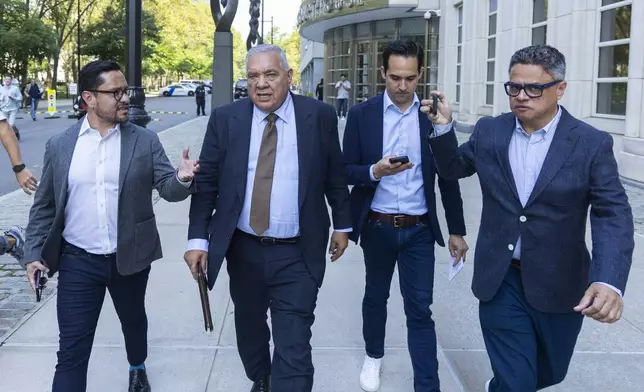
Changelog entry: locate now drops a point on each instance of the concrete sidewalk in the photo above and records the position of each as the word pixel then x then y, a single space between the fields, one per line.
pixel 182 357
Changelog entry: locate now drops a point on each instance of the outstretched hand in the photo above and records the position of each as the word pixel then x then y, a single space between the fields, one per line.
pixel 188 167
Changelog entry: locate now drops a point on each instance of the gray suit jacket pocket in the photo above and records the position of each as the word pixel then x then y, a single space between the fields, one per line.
pixel 146 239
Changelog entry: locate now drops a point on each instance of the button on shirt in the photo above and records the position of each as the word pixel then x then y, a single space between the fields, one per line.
pixel 527 154
pixel 403 193
pixel 91 213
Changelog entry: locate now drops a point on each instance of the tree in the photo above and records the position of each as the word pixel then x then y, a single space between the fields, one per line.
pixel 239 56
pixel 105 38
pixel 22 38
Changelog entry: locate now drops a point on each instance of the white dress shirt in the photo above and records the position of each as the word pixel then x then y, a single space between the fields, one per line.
pixel 91 212
pixel 284 221
pixel 403 193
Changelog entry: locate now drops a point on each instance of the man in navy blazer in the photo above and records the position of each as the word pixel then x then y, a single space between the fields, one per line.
pixel 540 170
pixel 394 212
pixel 266 165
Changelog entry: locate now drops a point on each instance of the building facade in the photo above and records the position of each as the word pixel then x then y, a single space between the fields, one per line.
pixel 311 65
pixel 468 46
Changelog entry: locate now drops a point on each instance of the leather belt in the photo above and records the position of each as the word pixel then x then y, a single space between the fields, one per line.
pixel 270 240
pixel 515 263
pixel 397 220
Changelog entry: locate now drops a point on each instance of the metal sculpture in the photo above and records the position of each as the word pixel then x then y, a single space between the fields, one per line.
pixel 223 13
pixel 253 34
pixel 223 20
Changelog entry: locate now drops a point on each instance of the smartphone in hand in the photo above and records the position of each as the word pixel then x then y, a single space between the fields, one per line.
pixel 402 159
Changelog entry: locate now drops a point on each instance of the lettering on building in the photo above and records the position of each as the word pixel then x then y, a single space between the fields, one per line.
pixel 317 8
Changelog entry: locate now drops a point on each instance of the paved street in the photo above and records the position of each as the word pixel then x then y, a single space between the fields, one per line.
pixel 34 135
pixel 608 357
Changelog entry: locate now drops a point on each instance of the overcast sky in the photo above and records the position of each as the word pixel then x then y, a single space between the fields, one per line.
pixel 284 13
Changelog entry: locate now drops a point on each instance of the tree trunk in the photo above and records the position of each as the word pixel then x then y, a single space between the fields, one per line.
pixel 54 78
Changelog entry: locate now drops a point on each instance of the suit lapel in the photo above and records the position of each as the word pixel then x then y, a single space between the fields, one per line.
pixel 128 143
pixel 239 135
pixel 425 127
pixel 376 127
pixel 66 155
pixel 563 143
pixel 502 141
pixel 306 129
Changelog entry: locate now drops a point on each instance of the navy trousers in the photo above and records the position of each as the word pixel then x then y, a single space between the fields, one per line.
pixel 275 277
pixel 413 248
pixel 82 281
pixel 529 350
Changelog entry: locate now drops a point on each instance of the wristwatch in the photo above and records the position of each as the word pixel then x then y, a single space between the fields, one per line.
pixel 19 168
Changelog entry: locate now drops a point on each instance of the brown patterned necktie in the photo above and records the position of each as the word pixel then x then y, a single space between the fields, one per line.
pixel 261 199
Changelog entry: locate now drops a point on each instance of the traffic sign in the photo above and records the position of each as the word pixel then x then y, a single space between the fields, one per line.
pixel 51 101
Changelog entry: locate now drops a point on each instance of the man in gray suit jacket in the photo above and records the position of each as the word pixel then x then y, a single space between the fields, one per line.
pixel 540 170
pixel 93 222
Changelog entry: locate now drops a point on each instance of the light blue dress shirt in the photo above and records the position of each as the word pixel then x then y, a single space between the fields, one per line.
pixel 284 221
pixel 402 193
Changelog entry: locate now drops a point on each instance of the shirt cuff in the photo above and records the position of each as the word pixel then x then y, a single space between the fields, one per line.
pixel 198 244
pixel 440 130
pixel 343 230
pixel 618 291
pixel 373 177
pixel 184 183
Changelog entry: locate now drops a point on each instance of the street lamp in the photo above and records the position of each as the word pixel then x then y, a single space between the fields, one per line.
pixel 137 113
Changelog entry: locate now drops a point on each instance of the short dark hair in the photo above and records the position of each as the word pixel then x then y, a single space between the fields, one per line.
pixel 403 48
pixel 552 60
pixel 343 74
pixel 90 75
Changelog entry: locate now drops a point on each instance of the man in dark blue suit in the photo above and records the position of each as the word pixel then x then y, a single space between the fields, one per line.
pixel 540 170
pixel 394 211
pixel 267 164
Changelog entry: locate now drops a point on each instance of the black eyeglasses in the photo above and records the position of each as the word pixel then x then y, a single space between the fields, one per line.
pixel 118 94
pixel 531 90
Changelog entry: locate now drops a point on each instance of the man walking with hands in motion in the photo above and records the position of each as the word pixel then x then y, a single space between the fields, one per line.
pixel 268 163
pixel 93 222
pixel 540 170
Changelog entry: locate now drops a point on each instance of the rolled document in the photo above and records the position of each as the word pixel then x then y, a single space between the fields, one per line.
pixel 205 302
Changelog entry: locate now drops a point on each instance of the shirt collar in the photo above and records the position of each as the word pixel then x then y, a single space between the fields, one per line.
pixel 552 124
pixel 389 103
pixel 86 127
pixel 283 112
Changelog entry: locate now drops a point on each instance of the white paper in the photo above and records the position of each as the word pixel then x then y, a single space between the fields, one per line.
pixel 454 269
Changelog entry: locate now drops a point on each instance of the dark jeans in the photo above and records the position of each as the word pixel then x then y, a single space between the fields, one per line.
pixel 201 106
pixel 275 277
pixel 528 349
pixel 413 249
pixel 341 106
pixel 82 281
pixel 34 107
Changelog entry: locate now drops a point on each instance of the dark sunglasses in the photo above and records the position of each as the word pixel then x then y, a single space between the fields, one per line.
pixel 531 90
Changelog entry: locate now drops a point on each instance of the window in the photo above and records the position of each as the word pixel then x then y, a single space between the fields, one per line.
pixel 459 51
pixel 491 52
pixel 612 57
pixel 539 22
pixel 338 58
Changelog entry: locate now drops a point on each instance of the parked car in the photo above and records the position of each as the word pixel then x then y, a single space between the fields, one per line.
pixel 241 89
pixel 175 90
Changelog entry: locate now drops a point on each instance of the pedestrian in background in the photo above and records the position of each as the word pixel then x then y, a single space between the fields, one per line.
pixel 35 91
pixel 342 99
pixel 10 99
pixel 319 90
pixel 200 96
pixel 93 222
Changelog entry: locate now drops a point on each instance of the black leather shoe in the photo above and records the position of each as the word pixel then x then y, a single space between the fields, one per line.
pixel 139 381
pixel 263 385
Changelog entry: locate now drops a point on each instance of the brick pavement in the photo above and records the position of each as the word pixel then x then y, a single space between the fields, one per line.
pixel 17 301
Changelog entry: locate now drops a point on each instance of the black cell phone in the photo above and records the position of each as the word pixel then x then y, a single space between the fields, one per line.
pixel 403 159
pixel 434 104
pixel 39 282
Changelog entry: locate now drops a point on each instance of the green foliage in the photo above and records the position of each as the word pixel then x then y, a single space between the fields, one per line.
pixel 105 38
pixel 22 38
